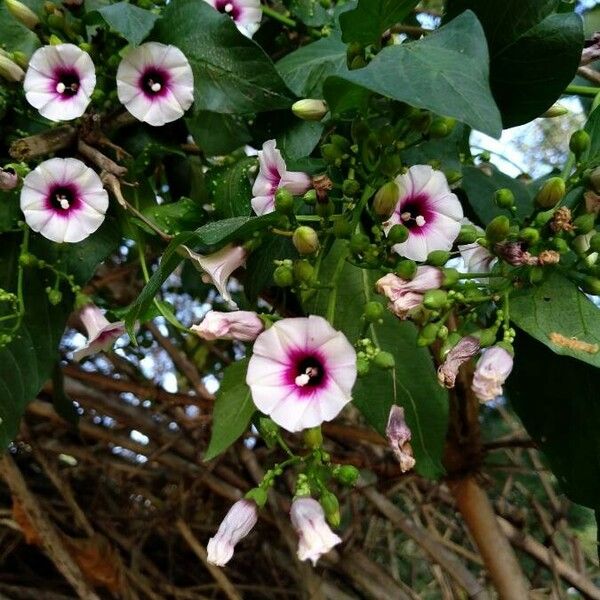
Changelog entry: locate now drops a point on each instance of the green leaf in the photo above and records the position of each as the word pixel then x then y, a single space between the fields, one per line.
pixel 219 233
pixel 592 126
pixel 231 188
pixel 310 12
pixel 10 211
pixel 557 400
pixel 367 22
pixel 14 36
pixel 412 384
pixel 558 306
pixel 233 410
pixel 217 134
pixel 446 72
pixel 232 73
pixel 534 54
pixel 175 217
pixel 480 187
pixel 300 139
pixel 130 21
pixel 305 69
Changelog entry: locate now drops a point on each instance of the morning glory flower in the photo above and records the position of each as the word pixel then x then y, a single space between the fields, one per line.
pixel 64 200
pixel 491 371
pixel 246 14
pixel 155 83
pixel 301 372
pixel 101 333
pixel 430 211
pixel 59 81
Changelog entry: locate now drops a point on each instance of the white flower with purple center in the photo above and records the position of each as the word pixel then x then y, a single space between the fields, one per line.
pixel 246 14
pixel 430 211
pixel 59 81
pixel 273 174
pixel 102 334
pixel 63 200
pixel 155 83
pixel 301 372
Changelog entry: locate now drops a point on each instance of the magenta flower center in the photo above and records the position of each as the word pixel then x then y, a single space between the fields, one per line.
pixel 62 199
pixel 66 83
pixel 154 82
pixel 415 213
pixel 228 7
pixel 306 372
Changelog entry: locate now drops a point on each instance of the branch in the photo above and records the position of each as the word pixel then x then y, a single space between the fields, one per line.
pixel 43 143
pixel 100 160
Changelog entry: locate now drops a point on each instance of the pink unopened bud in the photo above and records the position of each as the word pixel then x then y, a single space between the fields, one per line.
pixel 315 536
pixel 8 180
pixel 237 524
pixel 102 334
pixel 407 295
pixel 465 349
pixel 399 435
pixel 491 372
pixel 241 325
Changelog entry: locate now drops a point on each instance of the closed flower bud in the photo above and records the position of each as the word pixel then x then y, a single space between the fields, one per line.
pixel 10 70
pixel 283 276
pixel 241 325
pixel 530 235
pixel 428 334
pixel 595 243
pixel 22 13
pixel 346 474
pixel 453 176
pixel 384 360
pixel 435 299
pixel 591 285
pixel 331 153
pixel 398 234
pixel 556 110
pixel 451 276
pixel 305 240
pixel 350 187
pixel 304 272
pixel 580 142
pixel 373 311
pixel 504 198
pixel 284 201
pixel 331 508
pixel 497 229
pixel 468 235
pixel 385 199
pixel 406 269
pixel 8 179
pixel 560 245
pixel 313 438
pixel 441 127
pixel 310 109
pixel 584 223
pixel 486 337
pixel 310 197
pixel 438 258
pixel 54 297
pixel 551 193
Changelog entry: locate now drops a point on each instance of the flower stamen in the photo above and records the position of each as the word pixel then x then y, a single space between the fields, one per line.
pixel 63 201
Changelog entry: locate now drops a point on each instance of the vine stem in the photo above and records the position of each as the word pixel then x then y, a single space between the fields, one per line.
pixel 581 90
pixel 277 16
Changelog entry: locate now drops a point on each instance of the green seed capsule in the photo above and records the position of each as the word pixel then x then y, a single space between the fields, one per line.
pixel 351 187
pixel 438 258
pixel 580 142
pixel 373 311
pixel 346 474
pixel 529 235
pixel 284 201
pixel 406 269
pixel 384 360
pixel 283 276
pixel 498 229
pixel 504 198
pixel 468 235
pixel 595 243
pixel 585 223
pixel 398 234
pixel 435 299
pixel 304 272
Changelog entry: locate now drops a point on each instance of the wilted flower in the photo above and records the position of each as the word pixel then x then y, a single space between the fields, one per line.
pixel 514 254
pixel 155 83
pixel 64 200
pixel 246 14
pixel 406 295
pixel 466 348
pixel 101 333
pixel 399 435
pixel 273 174
pixel 477 258
pixel 59 81
pixel 591 51
pixel 301 372
pixel 241 325
pixel 8 180
pixel 315 536
pixel 237 524
pixel 492 370
pixel 430 211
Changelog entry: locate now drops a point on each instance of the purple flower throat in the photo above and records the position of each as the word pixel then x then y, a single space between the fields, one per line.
pixel 62 199
pixel 155 82
pixel 228 7
pixel 415 213
pixel 66 83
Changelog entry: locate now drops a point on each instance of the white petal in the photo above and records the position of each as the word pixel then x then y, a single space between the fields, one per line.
pixel 267 398
pixel 414 248
pixel 266 371
pixel 418 177
pixel 55 228
pixel 447 204
pixel 37 218
pixel 263 205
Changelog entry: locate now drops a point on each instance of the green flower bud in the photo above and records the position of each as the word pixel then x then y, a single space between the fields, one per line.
pixel 342 228
pixel 580 142
pixel 10 70
pixel 283 276
pixel 331 153
pixel 28 260
pixel 542 218
pixel 428 334
pixel 595 243
pixel 556 110
pixel 486 337
pixel 560 245
pixel 56 21
pixel 331 508
pixel 373 311
pixel 54 297
pixel 529 235
pixel 551 193
pixel 353 50
pixel 591 285
pixel 21 59
pixel 398 233
pixel 468 234
pixel 441 127
pixel 435 299
pixel 384 360
pixel 340 142
pixel 350 187
pixel 346 474
pixel 385 199
pixel 313 438
pixel 22 13
pixel 585 223
pixel 257 495
pixel 452 176
pixel 306 240
pixel 438 258
pixel 362 366
pixel 451 276
pixel 406 269
pixel 504 198
pixel 54 40
pixel 310 197
pixel 284 201
pixel 359 242
pixel 497 229
pixel 310 109
pixel 304 272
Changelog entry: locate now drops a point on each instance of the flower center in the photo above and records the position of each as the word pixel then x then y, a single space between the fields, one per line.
pixel 154 82
pixel 228 7
pixel 62 198
pixel 68 84
pixel 309 372
pixel 415 213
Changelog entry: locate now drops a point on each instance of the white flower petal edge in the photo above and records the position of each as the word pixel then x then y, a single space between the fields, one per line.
pixel 64 200
pixel 60 81
pixel 155 83
pixel 246 14
pixel 301 372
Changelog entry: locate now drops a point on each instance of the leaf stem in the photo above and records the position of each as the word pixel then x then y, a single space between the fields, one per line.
pixel 277 16
pixel 581 90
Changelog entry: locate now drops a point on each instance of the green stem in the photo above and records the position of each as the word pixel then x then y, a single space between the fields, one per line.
pixel 581 90
pixel 367 193
pixel 277 16
pixel 479 275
